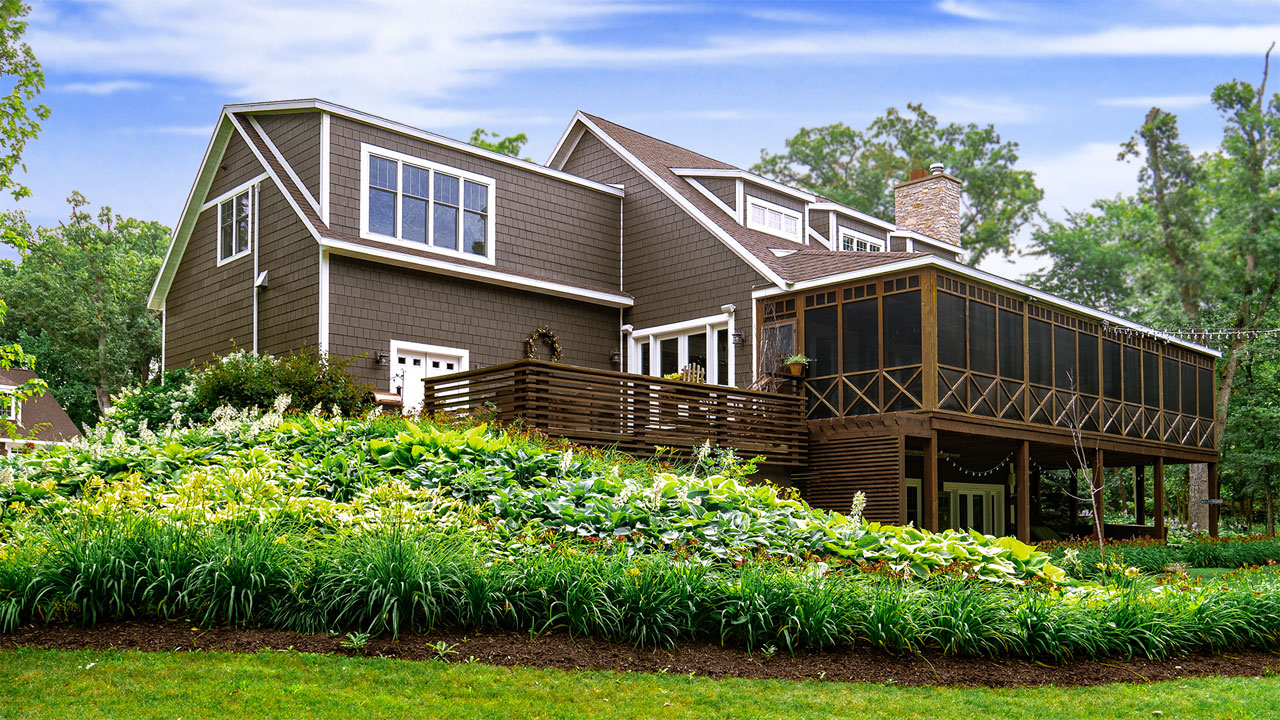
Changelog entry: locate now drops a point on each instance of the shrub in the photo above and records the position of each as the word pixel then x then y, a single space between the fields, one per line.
pixel 156 403
pixel 311 379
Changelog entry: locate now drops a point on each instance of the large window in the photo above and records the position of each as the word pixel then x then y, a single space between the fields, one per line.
pixel 774 219
pixel 700 346
pixel 234 226
pixel 423 204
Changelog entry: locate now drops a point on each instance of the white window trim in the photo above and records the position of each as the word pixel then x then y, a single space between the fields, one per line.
pixel 993 501
pixel 784 211
pixel 681 330
pixel 855 236
pixel 230 196
pixel 15 407
pixel 490 245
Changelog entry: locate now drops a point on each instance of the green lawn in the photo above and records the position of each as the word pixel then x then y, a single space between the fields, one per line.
pixel 96 684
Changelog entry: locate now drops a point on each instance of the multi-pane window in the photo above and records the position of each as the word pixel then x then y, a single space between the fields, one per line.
pixel 233 227
pixel 10 406
pixel 771 218
pixel 857 242
pixel 421 203
pixel 705 348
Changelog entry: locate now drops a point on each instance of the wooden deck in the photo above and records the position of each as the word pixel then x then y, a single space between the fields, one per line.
pixel 634 413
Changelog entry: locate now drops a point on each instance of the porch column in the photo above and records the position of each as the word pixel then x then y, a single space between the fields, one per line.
pixel 1140 494
pixel 1022 490
pixel 1157 489
pixel 929 485
pixel 1213 495
pixel 1097 501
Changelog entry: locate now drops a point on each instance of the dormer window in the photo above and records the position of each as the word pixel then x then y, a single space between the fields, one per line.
pixel 855 241
pixel 774 219
pixel 233 227
pixel 10 406
pixel 414 202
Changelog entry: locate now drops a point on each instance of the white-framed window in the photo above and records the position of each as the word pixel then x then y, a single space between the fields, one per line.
pixel 10 405
pixel 426 205
pixel 235 226
pixel 774 219
pixel 706 343
pixel 852 240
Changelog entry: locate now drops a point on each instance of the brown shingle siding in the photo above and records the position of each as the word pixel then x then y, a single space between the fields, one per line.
pixel 297 137
pixel 723 188
pixel 372 304
pixel 676 269
pixel 289 308
pixel 544 226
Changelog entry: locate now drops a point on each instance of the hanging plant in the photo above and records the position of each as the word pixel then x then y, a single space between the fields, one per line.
pixel 545 335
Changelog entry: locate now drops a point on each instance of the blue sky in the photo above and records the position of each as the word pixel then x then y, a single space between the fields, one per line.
pixel 135 86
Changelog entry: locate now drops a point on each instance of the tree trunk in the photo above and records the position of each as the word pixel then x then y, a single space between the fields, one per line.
pixel 104 398
pixel 1197 493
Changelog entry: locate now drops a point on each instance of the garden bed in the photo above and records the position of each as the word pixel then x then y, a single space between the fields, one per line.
pixel 559 651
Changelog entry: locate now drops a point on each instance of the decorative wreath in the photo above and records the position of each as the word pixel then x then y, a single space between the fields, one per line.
pixel 545 335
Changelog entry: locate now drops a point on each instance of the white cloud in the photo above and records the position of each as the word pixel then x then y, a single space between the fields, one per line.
pixel 398 57
pixel 971 11
pixel 983 110
pixel 104 87
pixel 1165 102
pixel 787 16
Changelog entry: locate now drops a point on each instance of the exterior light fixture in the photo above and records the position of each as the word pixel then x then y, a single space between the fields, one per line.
pixel 739 338
pixel 615 357
pixel 382 357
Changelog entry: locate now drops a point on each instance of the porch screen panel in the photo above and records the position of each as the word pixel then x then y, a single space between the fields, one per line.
pixel 1040 351
pixel 1205 390
pixel 1088 366
pixel 1171 377
pixel 982 338
pixel 861 336
pixel 951 330
pixel 1011 345
pixel 1188 389
pixel 1132 375
pixel 1064 358
pixel 902 329
pixel 821 340
pixel 1111 369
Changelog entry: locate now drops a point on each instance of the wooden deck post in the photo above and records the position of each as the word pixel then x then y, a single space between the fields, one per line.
pixel 1157 490
pixel 929 485
pixel 1097 500
pixel 1022 491
pixel 1213 495
pixel 1139 495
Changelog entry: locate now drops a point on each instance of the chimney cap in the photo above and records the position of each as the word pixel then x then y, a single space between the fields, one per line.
pixel 937 168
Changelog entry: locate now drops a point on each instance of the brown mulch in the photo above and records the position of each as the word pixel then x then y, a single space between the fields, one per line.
pixel 706 660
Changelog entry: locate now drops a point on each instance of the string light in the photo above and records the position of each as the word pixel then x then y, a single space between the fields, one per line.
pixel 1203 336
pixel 980 473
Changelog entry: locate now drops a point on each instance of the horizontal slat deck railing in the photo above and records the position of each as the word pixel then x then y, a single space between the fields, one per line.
pixel 635 413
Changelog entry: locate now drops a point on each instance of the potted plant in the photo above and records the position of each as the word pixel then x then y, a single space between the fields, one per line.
pixel 797 364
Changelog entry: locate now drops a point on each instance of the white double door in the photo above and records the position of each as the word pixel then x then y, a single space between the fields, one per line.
pixel 413 363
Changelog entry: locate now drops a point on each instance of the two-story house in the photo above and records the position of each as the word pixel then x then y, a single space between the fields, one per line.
pixel 939 390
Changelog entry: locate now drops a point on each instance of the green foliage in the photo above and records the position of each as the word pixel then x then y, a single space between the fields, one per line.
pixel 861 169
pixel 510 145
pixel 81 292
pixel 1154 556
pixel 156 402
pixel 309 378
pixel 21 121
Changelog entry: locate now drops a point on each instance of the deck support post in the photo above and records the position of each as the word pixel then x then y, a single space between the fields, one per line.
pixel 929 484
pixel 1139 495
pixel 1213 495
pixel 1097 500
pixel 1157 490
pixel 1022 491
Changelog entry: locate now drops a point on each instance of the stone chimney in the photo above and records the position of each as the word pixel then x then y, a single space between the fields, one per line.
pixel 929 203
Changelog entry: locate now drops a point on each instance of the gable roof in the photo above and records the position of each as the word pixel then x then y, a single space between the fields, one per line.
pixel 44 413
pixel 669 166
pixel 238 119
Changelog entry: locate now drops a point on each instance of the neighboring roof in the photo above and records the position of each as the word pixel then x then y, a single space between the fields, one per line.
pixel 664 159
pixel 44 413
pixel 237 119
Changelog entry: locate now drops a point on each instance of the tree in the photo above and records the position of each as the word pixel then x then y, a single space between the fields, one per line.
pixel 19 123
pixel 861 168
pixel 511 145
pixel 1092 256
pixel 82 290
